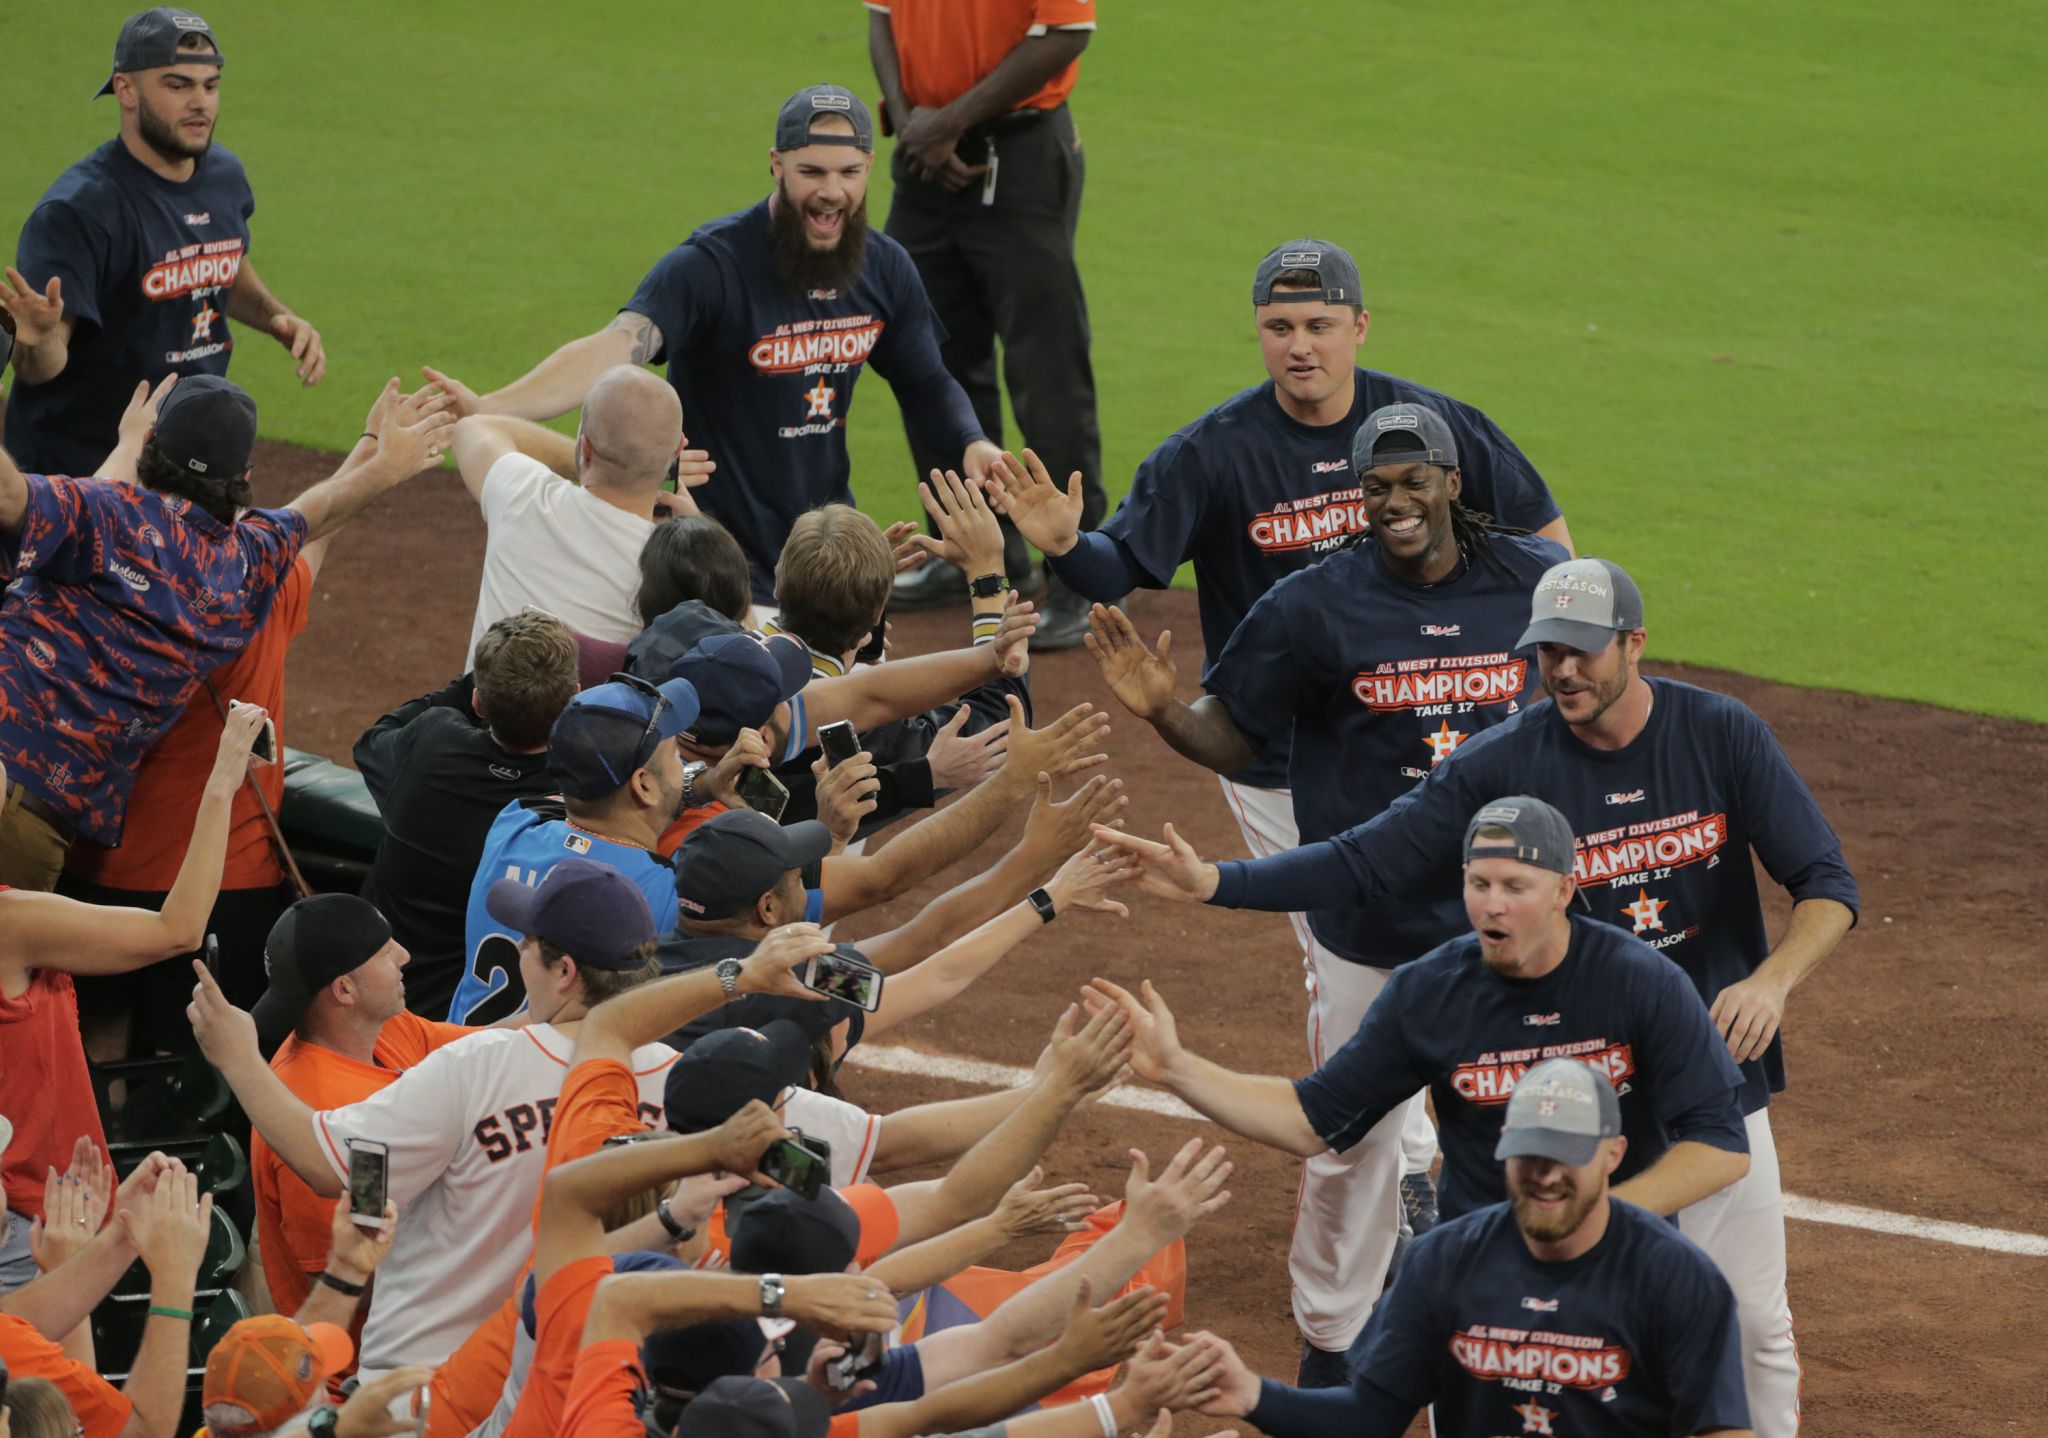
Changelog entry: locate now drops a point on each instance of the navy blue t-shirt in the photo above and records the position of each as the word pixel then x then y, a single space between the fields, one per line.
pixel 1251 494
pixel 146 266
pixel 1450 1023
pixel 1377 680
pixel 766 375
pixel 1635 1337
pixel 1664 830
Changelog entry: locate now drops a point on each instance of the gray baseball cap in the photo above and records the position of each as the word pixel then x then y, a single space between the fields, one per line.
pixel 1332 266
pixel 1582 604
pixel 1541 836
pixel 1560 1110
pixel 1403 434
pixel 812 103
pixel 149 41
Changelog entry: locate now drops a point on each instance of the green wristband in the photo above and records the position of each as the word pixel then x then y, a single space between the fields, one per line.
pixel 158 1310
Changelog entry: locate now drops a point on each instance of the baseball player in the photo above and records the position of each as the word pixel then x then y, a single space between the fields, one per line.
pixel 466 1129
pixel 134 261
pixel 767 318
pixel 1667 788
pixel 1529 982
pixel 1565 1309
pixel 1263 485
pixel 1362 671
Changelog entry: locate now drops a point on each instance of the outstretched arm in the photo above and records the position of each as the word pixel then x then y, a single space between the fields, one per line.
pixel 618 1026
pixel 481 440
pixel 560 382
pixel 227 1037
pixel 251 302
pixel 413 435
pixel 1144 682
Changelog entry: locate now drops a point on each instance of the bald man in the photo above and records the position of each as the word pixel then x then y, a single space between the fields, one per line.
pixel 568 517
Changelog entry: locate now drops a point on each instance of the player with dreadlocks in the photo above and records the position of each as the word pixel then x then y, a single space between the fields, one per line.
pixel 1377 661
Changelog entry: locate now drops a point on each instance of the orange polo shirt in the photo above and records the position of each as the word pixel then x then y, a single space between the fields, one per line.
pixel 944 48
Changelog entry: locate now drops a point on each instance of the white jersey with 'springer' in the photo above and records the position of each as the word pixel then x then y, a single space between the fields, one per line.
pixel 467 1130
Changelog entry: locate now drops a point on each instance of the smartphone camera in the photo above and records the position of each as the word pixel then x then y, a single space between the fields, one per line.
pixel 265 747
pixel 839 742
pixel 796 1166
pixel 841 976
pixel 762 792
pixel 369 1175
pixel 862 1360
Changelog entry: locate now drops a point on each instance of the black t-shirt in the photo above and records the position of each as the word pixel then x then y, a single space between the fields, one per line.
pixel 1363 683
pixel 766 375
pixel 441 780
pixel 1251 495
pixel 1449 1023
pixel 146 266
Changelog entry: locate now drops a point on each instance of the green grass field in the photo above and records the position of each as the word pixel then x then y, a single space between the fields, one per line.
pixel 1759 287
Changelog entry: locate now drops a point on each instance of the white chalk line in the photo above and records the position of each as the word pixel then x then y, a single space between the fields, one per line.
pixel 897 1059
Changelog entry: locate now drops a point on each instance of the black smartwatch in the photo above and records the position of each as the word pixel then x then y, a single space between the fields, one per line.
pixel 988 586
pixel 1042 901
pixel 320 1422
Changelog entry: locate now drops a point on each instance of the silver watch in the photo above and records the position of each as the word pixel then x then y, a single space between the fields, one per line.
pixel 771 1295
pixel 728 971
pixel 692 772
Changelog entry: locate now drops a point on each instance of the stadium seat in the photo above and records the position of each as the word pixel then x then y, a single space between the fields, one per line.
pixel 156 1100
pixel 330 821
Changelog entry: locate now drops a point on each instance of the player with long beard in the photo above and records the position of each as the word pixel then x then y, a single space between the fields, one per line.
pixel 766 319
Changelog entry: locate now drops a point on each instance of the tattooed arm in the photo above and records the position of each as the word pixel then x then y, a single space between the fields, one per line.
pixel 558 383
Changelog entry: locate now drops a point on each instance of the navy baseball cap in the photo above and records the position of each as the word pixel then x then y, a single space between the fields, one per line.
pixel 740 680
pixel 731 860
pixel 1582 604
pixel 1560 1110
pixel 692 1358
pixel 588 910
pixel 608 731
pixel 1332 266
pixel 206 425
pixel 815 102
pixel 1403 434
pixel 756 1408
pixel 723 1072
pixel 656 649
pixel 1538 834
pixel 312 944
pixel 149 41
pixel 784 1232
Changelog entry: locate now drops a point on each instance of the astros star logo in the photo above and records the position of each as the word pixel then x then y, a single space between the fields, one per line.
pixel 1645 911
pixel 1443 742
pixel 1535 1417
pixel 820 397
pixel 202 323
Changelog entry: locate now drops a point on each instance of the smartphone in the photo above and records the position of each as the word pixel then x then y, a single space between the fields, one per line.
pixel 797 1166
pixel 212 954
pixel 862 1360
pixel 369 1172
pixel 841 976
pixel 762 792
pixel 265 747
pixel 839 742
pixel 876 649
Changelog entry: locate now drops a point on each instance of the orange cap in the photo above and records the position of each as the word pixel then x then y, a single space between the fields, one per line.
pixel 266 1370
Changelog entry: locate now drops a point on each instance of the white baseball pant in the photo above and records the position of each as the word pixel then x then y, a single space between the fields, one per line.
pixel 1742 1228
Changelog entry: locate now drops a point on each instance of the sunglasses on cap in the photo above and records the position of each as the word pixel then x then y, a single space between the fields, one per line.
pixel 644 750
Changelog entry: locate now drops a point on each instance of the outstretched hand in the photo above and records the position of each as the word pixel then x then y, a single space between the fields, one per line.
pixel 226 1034
pixel 1065 747
pixel 1155 1038
pixel 36 312
pixel 769 969
pixel 968 533
pixel 298 336
pixel 1172 870
pixel 1043 514
pixel 1142 680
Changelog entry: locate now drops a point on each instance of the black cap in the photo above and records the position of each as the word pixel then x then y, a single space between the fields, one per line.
pixel 1403 434
pixel 730 861
pixel 312 944
pixel 149 41
pixel 814 103
pixel 723 1072
pixel 784 1232
pixel 207 425
pixel 1332 266
pixel 756 1408
pixel 691 1359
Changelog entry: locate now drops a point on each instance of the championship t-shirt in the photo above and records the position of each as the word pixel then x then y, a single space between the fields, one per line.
pixel 145 266
pixel 1449 1023
pixel 766 374
pixel 1377 681
pixel 555 546
pixel 467 1129
pixel 1664 828
pixel 1250 495
pixel 528 839
pixel 1636 1336
pixel 118 599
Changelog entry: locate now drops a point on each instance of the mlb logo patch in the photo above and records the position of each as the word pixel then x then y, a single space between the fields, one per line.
pixel 576 843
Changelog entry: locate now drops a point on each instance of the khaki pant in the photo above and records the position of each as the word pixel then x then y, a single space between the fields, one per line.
pixel 31 849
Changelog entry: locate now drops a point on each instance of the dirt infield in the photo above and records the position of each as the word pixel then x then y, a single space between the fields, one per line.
pixel 1912 1052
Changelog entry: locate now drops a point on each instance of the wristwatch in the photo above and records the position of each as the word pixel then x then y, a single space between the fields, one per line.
pixel 320 1422
pixel 728 971
pixel 771 1295
pixel 1042 901
pixel 988 586
pixel 692 772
